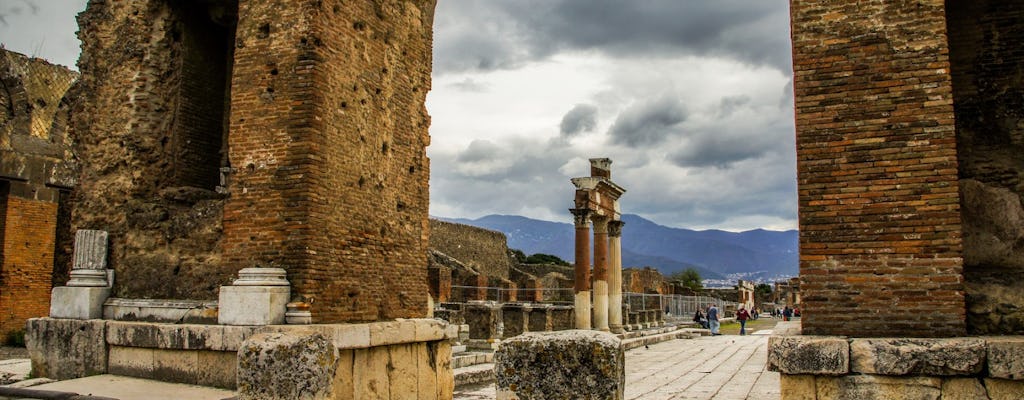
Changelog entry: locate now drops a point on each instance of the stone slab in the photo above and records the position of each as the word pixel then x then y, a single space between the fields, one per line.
pixel 1004 389
pixel 252 305
pixel 78 302
pixel 297 365
pixel 915 356
pixel 1005 357
pixel 813 355
pixel 565 364
pixel 66 348
pixel 868 387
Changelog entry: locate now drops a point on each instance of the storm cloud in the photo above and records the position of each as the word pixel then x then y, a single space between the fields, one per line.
pixel 582 118
pixel 648 122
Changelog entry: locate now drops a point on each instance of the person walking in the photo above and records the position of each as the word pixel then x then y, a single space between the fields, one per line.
pixel 787 313
pixel 713 319
pixel 742 315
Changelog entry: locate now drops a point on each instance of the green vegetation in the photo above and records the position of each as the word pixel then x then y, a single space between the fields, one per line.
pixel 689 278
pixel 541 258
pixel 518 255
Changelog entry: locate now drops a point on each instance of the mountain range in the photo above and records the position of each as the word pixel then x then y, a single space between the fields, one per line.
pixel 713 253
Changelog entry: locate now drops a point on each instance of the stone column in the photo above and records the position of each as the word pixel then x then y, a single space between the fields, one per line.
pixel 88 287
pixel 601 273
pixel 582 268
pixel 615 276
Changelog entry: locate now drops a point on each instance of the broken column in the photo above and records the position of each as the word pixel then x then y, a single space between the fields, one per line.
pixel 88 287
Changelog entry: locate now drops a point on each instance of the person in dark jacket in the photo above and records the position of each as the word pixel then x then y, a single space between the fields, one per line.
pixel 699 318
pixel 743 315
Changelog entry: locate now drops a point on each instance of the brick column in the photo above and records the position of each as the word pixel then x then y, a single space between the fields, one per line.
pixel 582 268
pixel 25 277
pixel 615 276
pixel 601 273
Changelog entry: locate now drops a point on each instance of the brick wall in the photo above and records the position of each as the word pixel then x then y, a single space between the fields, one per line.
pixel 484 250
pixel 328 136
pixel 645 280
pixel 880 235
pixel 27 262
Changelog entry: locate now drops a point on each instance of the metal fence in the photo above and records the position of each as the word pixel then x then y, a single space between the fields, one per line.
pixel 672 304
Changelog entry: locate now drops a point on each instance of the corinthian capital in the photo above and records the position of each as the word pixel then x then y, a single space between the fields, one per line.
pixel 580 216
pixel 615 228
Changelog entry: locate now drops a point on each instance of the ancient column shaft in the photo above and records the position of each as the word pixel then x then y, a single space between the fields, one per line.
pixel 601 273
pixel 615 276
pixel 582 268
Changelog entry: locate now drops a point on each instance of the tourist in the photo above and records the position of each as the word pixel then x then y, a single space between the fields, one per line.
pixel 713 319
pixel 699 318
pixel 787 313
pixel 742 315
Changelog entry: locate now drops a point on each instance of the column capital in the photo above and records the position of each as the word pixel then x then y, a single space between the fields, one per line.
pixel 615 228
pixel 600 223
pixel 580 216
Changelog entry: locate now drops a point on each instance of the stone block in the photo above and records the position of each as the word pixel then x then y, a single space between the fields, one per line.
pixel 442 361
pixel 797 387
pixel 344 385
pixel 484 321
pixel 180 366
pixel 963 389
pixel 431 329
pixel 131 361
pixel 912 356
pixel 1004 389
pixel 78 302
pixel 562 318
pixel 814 355
pixel 1005 358
pixel 252 305
pixel 217 368
pixel 871 387
pixel 392 332
pixel 295 365
pixel 66 348
pixel 568 364
pixel 540 319
pixel 515 319
pixel 402 374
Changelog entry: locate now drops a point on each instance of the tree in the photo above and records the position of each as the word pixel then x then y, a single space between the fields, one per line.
pixel 541 258
pixel 517 255
pixel 689 278
pixel 763 292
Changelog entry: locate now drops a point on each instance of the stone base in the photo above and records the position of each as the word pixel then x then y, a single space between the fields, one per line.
pixel 78 302
pixel 376 360
pixel 575 364
pixel 253 305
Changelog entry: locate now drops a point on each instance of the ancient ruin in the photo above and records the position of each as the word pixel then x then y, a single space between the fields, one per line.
pixel 37 171
pixel 597 201
pixel 909 154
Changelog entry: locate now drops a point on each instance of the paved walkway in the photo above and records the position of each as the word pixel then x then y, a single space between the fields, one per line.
pixel 710 367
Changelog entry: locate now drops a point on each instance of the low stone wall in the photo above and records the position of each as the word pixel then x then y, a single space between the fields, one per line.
pixel 833 367
pixel 374 358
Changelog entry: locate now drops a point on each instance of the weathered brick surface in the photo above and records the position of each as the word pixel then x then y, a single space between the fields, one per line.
pixel 36 165
pixel 27 231
pixel 326 132
pixel 483 249
pixel 880 229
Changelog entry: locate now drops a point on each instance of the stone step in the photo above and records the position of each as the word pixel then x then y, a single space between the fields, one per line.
pixel 474 374
pixel 469 358
pixel 483 373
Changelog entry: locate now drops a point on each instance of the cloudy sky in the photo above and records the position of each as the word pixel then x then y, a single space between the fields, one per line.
pixel 691 99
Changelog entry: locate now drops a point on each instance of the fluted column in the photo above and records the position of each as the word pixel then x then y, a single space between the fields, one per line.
pixel 600 273
pixel 581 288
pixel 615 276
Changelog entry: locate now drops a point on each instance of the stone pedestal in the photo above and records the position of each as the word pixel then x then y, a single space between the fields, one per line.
pixel 540 318
pixel 562 318
pixel 257 297
pixel 484 321
pixel 515 318
pixel 299 365
pixel 78 302
pixel 89 284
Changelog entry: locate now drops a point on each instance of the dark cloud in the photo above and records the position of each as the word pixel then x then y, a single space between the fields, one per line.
pixel 728 143
pixel 479 150
pixel 469 85
pixel 648 122
pixel 582 118
pixel 489 34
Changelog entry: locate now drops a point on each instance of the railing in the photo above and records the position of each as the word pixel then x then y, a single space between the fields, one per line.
pixel 678 305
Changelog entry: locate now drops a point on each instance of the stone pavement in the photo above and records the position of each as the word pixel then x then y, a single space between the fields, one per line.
pixel 709 367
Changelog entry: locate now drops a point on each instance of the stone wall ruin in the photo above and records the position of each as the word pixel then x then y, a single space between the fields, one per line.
pixel 222 135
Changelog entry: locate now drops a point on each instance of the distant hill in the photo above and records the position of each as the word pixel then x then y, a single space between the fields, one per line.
pixel 713 253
